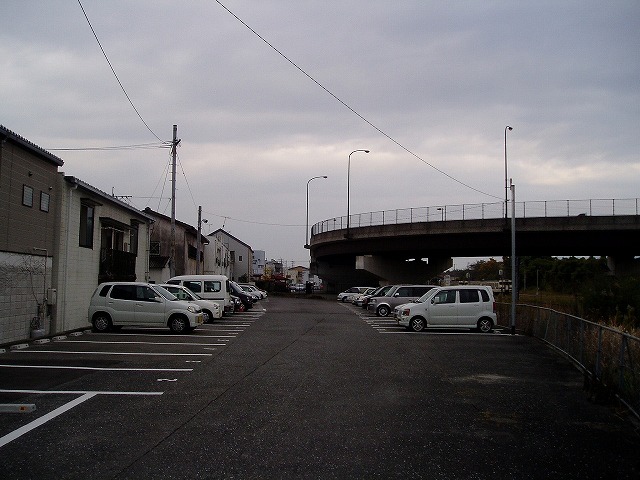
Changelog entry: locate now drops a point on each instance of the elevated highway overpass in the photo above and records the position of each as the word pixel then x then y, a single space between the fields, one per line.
pixel 416 244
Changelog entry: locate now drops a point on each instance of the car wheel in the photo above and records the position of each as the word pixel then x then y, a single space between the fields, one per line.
pixel 344 299
pixel 178 324
pixel 416 324
pixel 208 316
pixel 101 322
pixel 485 325
pixel 383 311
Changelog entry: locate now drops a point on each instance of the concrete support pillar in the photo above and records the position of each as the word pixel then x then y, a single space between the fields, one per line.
pixel 621 265
pixel 393 270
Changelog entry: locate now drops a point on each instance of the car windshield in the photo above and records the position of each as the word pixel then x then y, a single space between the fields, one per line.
pixel 382 291
pixel 165 293
pixel 424 297
pixel 183 293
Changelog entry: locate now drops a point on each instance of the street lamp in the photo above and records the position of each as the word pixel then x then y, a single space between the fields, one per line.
pixel 348 182
pixel 306 243
pixel 506 185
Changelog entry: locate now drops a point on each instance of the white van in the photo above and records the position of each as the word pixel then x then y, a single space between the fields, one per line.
pixel 209 287
pixel 463 306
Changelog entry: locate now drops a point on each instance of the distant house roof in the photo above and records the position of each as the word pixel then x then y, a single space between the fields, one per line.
pixel 186 226
pixel 106 197
pixel 8 135
pixel 213 234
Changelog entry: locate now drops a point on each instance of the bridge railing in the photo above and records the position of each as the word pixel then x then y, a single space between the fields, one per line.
pixel 481 211
pixel 607 355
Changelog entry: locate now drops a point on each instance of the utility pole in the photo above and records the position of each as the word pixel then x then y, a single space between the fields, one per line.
pixel 172 253
pixel 199 242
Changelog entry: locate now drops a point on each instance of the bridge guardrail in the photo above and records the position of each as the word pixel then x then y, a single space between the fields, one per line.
pixel 608 355
pixel 481 211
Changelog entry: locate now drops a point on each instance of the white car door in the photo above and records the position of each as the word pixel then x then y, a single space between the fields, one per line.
pixel 150 307
pixel 469 307
pixel 443 309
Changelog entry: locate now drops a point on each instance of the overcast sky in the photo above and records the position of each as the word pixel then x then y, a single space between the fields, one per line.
pixel 426 84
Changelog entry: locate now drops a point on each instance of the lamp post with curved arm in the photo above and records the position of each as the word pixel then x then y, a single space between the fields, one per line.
pixel 506 185
pixel 348 183
pixel 306 243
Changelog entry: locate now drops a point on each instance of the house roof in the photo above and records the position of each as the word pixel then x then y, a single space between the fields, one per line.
pixel 106 197
pixel 8 135
pixel 213 234
pixel 186 226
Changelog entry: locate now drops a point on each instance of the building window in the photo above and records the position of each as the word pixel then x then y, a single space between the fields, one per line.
pixel 154 248
pixel 27 196
pixel 86 225
pixel 44 201
pixel 192 252
pixel 239 258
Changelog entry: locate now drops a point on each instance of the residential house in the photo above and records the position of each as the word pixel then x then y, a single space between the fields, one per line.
pixel 59 238
pixel 297 274
pixel 100 239
pixel 217 260
pixel 186 248
pixel 259 262
pixel 29 210
pixel 240 255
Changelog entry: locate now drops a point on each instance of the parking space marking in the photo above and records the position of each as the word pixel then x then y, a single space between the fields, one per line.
pixel 80 352
pixel 100 369
pixel 84 396
pixel 141 343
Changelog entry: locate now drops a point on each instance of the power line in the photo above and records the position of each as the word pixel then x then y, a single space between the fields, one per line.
pixel 346 105
pixel 141 146
pixel 116 75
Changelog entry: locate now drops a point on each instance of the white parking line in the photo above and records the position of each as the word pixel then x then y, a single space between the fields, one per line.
pixel 139 343
pixel 69 352
pixel 10 437
pixel 100 369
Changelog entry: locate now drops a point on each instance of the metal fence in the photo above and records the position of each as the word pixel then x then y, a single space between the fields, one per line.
pixel 609 356
pixel 480 211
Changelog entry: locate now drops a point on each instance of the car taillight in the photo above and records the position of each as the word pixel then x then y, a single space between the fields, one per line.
pixel 494 306
pixel 405 312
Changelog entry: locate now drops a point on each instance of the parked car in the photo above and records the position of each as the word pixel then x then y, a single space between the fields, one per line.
pixel 464 306
pixel 252 289
pixel 118 304
pixel 297 287
pixel 396 295
pixel 210 309
pixel 209 287
pixel 379 292
pixel 350 292
pixel 358 298
pixel 247 299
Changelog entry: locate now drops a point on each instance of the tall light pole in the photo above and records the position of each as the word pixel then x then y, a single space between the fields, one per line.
pixel 306 243
pixel 348 183
pixel 506 185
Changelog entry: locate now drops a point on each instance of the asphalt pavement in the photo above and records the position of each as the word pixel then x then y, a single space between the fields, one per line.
pixel 305 388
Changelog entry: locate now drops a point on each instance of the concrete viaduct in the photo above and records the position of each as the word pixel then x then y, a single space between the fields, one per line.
pixel 415 245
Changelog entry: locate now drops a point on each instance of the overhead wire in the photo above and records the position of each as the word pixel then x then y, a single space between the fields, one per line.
pixel 116 75
pixel 346 105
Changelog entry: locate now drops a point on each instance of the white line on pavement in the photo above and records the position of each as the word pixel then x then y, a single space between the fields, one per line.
pixel 101 369
pixel 119 353
pixel 139 343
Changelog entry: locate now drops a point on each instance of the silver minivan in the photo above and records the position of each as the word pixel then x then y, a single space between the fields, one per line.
pixel 118 304
pixel 463 306
pixel 398 294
